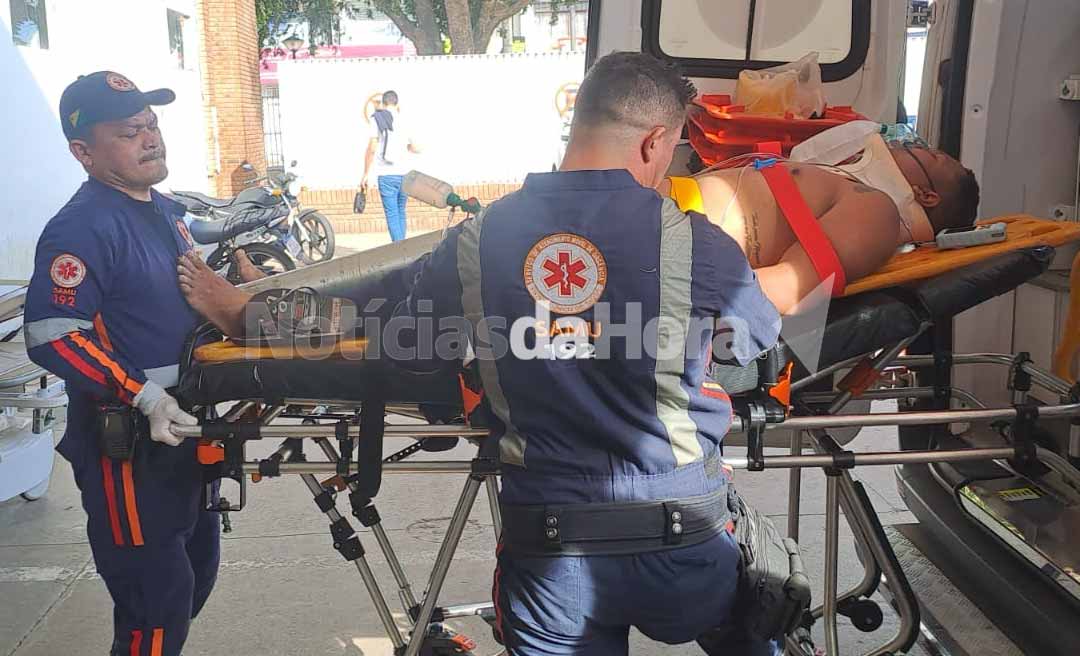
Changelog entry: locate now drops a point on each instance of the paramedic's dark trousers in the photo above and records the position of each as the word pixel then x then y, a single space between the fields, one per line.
pixel 153 545
pixel 585 605
pixel 393 202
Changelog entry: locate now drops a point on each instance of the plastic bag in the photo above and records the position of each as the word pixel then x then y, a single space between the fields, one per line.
pixel 793 88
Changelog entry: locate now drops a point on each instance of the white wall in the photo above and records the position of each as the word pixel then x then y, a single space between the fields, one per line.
pixel 479 118
pixel 1031 136
pixel 128 36
pixel 1022 142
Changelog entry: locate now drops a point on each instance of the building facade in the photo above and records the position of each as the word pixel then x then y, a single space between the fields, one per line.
pixel 46 44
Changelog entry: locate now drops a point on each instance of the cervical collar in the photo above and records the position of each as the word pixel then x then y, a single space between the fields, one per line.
pixel 875 167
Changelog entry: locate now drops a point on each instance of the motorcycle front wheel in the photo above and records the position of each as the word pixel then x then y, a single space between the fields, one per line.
pixel 320 244
pixel 267 258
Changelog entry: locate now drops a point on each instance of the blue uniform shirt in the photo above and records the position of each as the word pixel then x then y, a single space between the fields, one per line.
pixel 104 309
pixel 617 406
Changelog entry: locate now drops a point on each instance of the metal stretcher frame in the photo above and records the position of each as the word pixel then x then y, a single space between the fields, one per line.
pixel 842 491
pixel 12 388
pixel 18 373
pixel 806 427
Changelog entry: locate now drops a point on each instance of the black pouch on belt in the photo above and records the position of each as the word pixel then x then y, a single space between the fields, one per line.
pixel 774 590
pixel 117 429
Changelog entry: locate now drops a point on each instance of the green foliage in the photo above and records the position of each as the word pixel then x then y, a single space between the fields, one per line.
pixel 322 16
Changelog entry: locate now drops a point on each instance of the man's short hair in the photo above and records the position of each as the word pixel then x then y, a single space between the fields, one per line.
pixel 389 98
pixel 959 203
pixel 633 89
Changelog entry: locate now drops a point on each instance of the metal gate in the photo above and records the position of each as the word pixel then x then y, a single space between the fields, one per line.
pixel 271 105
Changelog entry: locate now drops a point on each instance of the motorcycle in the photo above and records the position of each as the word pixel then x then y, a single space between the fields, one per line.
pixel 264 220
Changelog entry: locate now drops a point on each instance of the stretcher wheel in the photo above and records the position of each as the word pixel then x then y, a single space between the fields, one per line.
pixel 865 615
pixel 36 492
pixel 443 641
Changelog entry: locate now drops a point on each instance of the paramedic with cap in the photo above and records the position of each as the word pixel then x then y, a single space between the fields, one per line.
pixel 104 312
pixel 593 250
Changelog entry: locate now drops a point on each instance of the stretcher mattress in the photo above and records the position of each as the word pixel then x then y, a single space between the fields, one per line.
pixel 275 380
pixel 864 322
pixel 16 369
pixel 1022 231
pixel 11 303
pixel 856 325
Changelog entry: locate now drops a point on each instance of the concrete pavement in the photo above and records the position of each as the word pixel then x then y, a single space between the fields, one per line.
pixel 284 590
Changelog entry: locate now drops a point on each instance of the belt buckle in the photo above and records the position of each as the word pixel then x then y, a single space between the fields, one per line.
pixel 673 522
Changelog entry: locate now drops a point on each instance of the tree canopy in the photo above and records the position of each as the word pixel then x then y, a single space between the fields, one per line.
pixel 468 24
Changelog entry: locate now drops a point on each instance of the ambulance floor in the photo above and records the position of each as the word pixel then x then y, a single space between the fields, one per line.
pixel 282 589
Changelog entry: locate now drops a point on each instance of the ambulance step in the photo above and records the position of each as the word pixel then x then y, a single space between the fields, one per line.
pixel 951 624
pixel 1040 524
pixel 1018 598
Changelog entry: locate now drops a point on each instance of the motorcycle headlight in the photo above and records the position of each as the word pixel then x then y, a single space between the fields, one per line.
pixel 294 188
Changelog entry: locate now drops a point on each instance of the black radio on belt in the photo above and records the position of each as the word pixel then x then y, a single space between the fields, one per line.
pixel 117 427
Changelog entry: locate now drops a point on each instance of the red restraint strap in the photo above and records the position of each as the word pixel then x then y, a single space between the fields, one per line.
pixel 806 228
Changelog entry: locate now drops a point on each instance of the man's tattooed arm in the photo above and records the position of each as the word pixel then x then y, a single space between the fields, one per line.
pixel 753 240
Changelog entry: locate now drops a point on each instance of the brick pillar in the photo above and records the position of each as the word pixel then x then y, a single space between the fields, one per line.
pixel 232 97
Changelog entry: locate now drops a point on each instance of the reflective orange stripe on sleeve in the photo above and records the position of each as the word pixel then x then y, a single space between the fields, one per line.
pixel 117 371
pixel 129 504
pixel 74 360
pixel 136 643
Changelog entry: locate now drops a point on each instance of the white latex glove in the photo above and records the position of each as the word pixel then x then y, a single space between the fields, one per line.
pixel 162 410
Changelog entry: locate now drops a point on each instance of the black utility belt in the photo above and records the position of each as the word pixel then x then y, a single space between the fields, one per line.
pixel 611 529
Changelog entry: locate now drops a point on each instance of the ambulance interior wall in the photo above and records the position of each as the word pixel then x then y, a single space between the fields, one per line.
pixel 128 36
pixel 1030 140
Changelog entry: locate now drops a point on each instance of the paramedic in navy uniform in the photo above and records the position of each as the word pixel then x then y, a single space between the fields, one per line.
pixel 104 312
pixel 603 422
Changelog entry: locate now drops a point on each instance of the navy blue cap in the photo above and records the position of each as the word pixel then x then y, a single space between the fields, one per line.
pixel 101 97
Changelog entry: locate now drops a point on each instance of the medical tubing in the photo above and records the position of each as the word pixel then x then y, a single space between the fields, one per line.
pixel 779 158
pixel 734 194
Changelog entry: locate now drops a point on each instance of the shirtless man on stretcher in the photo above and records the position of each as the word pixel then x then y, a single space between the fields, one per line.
pixel 862 223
